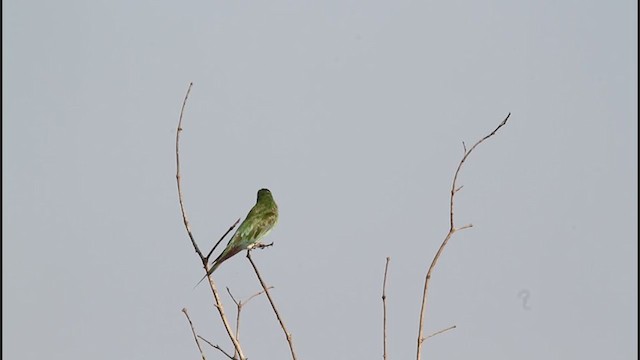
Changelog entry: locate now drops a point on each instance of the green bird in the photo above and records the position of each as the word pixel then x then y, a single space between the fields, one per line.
pixel 258 223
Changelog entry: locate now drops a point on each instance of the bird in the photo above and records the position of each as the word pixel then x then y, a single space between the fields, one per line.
pixel 258 223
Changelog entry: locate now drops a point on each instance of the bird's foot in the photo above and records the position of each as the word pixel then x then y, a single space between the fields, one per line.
pixel 262 246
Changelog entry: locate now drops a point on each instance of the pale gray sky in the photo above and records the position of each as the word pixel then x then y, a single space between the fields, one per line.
pixel 353 114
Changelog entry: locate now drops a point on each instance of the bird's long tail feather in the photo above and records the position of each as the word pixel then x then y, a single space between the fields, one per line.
pixel 213 268
pixel 229 252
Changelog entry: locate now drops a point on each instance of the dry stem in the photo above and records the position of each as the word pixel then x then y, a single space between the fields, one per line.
pixel 216 347
pixel 205 260
pixel 440 332
pixel 180 197
pixel 384 310
pixel 222 237
pixel 193 331
pixel 452 230
pixel 273 306
pixel 239 305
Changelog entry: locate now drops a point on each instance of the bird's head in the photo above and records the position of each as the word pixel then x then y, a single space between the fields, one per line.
pixel 264 194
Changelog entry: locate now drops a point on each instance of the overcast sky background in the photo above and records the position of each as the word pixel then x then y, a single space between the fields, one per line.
pixel 353 113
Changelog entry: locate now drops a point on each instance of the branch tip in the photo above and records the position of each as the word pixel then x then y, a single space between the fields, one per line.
pixel 452 230
pixel 185 220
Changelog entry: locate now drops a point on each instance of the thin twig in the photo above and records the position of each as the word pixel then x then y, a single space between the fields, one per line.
pixel 254 295
pixel 452 230
pixel 440 332
pixel 222 237
pixel 239 305
pixel 180 197
pixel 223 317
pixel 273 306
pixel 217 347
pixel 205 260
pixel 214 290
pixel 384 310
pixel 193 331
pixel 464 158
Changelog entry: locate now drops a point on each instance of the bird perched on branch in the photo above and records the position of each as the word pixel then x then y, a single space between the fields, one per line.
pixel 258 223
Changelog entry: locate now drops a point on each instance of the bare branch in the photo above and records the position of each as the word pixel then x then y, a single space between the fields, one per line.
pixel 205 260
pixel 256 294
pixel 217 347
pixel 384 310
pixel 464 158
pixel 439 332
pixel 223 317
pixel 273 306
pixel 452 230
pixel 222 237
pixel 185 219
pixel 193 331
pixel 232 297
pixel 239 305
pixel 218 302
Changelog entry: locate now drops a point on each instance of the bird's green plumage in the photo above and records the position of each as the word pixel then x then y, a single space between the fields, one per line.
pixel 258 223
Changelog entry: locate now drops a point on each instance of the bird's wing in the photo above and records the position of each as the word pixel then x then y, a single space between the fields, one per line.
pixel 263 224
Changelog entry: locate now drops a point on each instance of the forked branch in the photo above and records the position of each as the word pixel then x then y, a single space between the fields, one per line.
pixel 217 347
pixel 452 230
pixel 239 305
pixel 204 259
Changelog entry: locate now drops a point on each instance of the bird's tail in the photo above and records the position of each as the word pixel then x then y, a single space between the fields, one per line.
pixel 227 253
pixel 213 268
